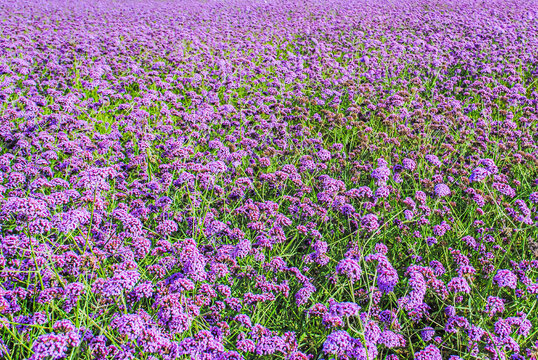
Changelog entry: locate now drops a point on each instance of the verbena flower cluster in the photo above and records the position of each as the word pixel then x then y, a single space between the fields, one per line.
pixel 268 179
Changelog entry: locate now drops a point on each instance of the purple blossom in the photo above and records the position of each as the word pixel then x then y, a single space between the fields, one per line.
pixel 505 278
pixel 490 166
pixel 338 343
pixel 50 346
pixel 459 285
pixel 427 333
pixel 381 175
pixel 479 174
pixel 370 222
pixel 167 227
pixel 387 276
pixel 382 192
pixel 430 352
pixel 391 340
pixel 434 160
pixel 504 189
pixel 442 190
pixel 494 305
pixel 350 268
pixel 130 325
pixel 409 164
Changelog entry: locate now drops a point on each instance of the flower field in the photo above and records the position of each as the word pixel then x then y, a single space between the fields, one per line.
pixel 269 179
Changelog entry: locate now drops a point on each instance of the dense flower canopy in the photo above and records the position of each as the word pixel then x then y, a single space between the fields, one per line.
pixel 350 179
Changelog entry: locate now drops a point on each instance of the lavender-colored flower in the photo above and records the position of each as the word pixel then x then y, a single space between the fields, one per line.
pixel 409 164
pixel 50 346
pixel 490 166
pixel 382 192
pixel 391 340
pixel 504 189
pixel 442 190
pixel 324 155
pixel 387 276
pixel 370 222
pixel 479 174
pixel 503 327
pixel 246 345
pixel 431 241
pixel 434 160
pixel 172 315
pixel 167 227
pixel 505 278
pixel 430 352
pixel 494 305
pixel 338 343
pixel 304 294
pixel 421 197
pixel 129 325
pixel 381 175
pixel 216 167
pixel 459 285
pixel 427 333
pixel 415 297
pixel 350 268
pixel 120 282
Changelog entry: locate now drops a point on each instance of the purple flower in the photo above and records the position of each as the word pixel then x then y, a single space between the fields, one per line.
pixel 304 294
pixel 503 327
pixel 50 346
pixel 421 197
pixel 391 340
pixel 490 166
pixel 381 175
pixel 504 189
pixel 441 190
pixel 370 222
pixel 427 333
pixel 415 297
pixel 431 352
pixel 167 227
pixel 387 276
pixel 434 160
pixel 409 164
pixel 338 343
pixel 494 305
pixel 350 268
pixel 479 174
pixel 382 192
pixel 172 315
pixel 217 167
pixel 324 155
pixel 268 345
pixel 120 282
pixel 505 278
pixel 246 345
pixel 362 192
pixel 459 285
pixel 431 241
pixel 130 325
